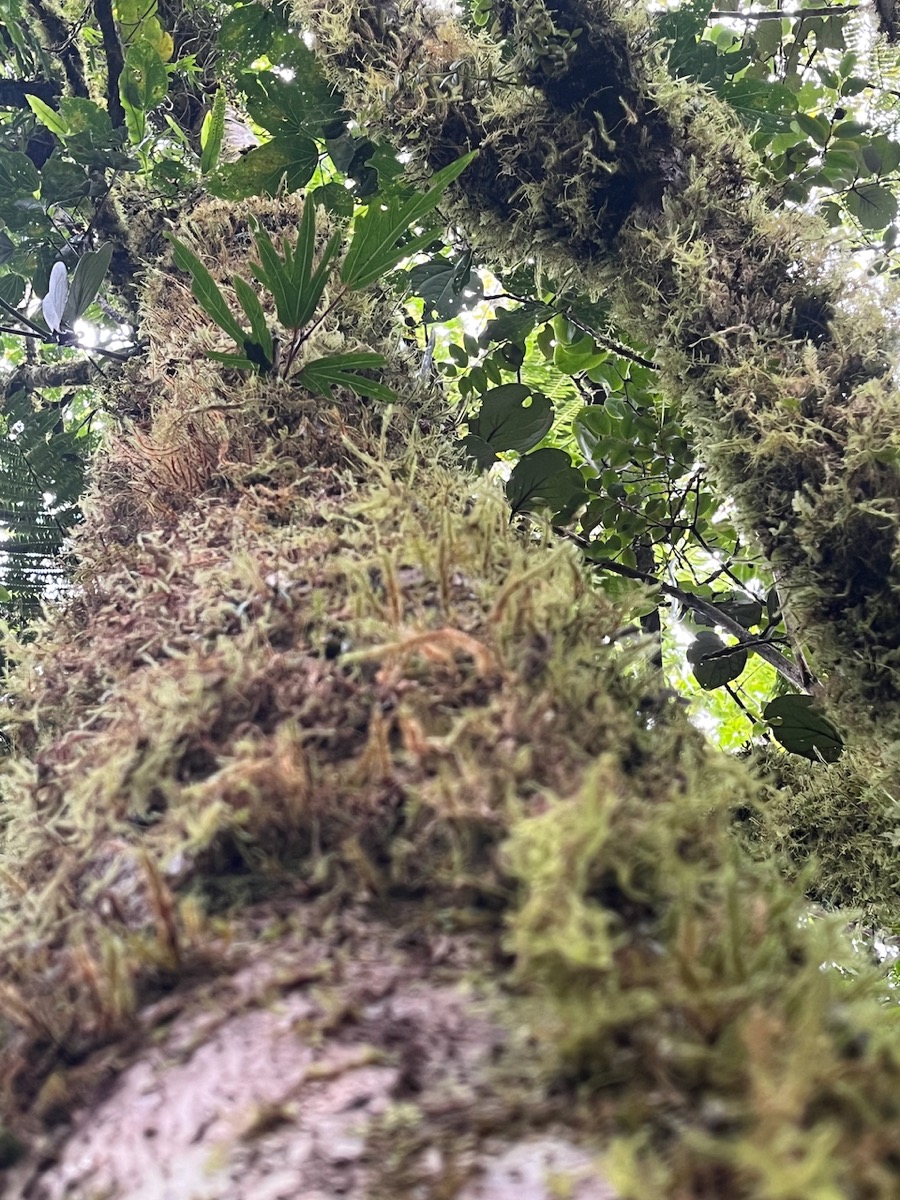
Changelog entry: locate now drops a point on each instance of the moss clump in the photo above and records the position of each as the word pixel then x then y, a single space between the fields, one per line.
pixel 781 365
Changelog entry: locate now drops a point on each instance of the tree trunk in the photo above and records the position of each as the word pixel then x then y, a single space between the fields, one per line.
pixel 641 188
pixel 349 853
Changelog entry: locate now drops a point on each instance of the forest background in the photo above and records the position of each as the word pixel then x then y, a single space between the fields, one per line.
pixel 450 484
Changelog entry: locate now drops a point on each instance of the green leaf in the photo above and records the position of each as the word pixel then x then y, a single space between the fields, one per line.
pixel 744 609
pixel 48 116
pixel 259 329
pixel 545 479
pixel 505 424
pixel 296 289
pixel 63 182
pixel 12 289
pixel 802 728
pixel 334 198
pixel 375 248
pixel 305 106
pixel 478 452
pixel 873 206
pixel 816 128
pixel 711 672
pixel 87 279
pixel 206 291
pixel 592 430
pixel 443 284
pixel 285 162
pixel 514 324
pixel 339 370
pixel 143 84
pixel 212 133
pixel 18 176
pixel 246 33
pixel 238 361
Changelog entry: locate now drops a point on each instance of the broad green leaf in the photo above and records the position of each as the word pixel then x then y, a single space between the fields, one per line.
pixel 514 324
pixel 87 279
pixel 802 729
pixel 505 424
pixel 54 302
pixel 446 286
pixel 714 672
pixel 212 133
pixel 303 106
pixel 12 289
pixel 144 81
pixel 873 206
pixel 259 329
pixel 816 128
pixel 286 162
pixel 48 116
pixel 18 175
pixel 478 451
pixel 592 429
pixel 206 291
pixel 375 248
pixel 334 198
pixel 339 370
pixel 545 479
pixel 63 182
pixel 246 33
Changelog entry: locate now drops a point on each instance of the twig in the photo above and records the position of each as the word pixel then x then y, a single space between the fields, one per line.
pixel 780 14
pixel 766 651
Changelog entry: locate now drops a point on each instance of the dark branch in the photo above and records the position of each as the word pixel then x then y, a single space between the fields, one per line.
pixel 115 60
pixel 765 649
pixel 779 14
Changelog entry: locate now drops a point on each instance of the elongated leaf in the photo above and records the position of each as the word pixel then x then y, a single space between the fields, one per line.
pixel 48 116
pixel 87 278
pixel 271 273
pixel 206 291
pixel 54 303
pixel 212 133
pixel 296 292
pixel 339 370
pixel 374 249
pixel 238 361
pixel 259 329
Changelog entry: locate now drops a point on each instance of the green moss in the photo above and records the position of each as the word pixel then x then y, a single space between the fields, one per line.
pixel 782 365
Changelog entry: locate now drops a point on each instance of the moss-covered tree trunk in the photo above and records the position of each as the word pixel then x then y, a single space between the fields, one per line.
pixel 639 187
pixel 347 853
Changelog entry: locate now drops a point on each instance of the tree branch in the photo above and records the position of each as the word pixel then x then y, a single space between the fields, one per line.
pixel 115 60
pixel 779 14
pixel 30 378
pixel 765 649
